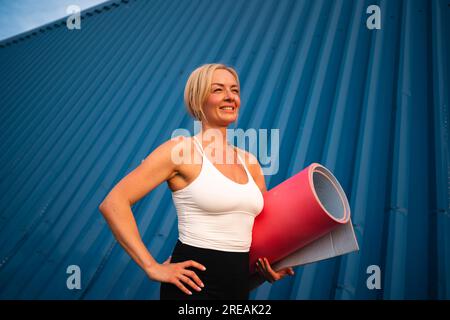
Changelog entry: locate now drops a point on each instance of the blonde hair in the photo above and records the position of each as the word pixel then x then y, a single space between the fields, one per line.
pixel 198 87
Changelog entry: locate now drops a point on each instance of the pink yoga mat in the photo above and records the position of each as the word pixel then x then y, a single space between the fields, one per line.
pixel 297 212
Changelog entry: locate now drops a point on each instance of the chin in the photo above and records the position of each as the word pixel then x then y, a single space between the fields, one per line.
pixel 229 121
pixel 225 120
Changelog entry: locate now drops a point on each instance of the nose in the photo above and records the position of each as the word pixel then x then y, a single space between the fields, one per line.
pixel 229 95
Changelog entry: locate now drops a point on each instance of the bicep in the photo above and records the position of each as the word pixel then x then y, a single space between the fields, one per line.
pixel 156 168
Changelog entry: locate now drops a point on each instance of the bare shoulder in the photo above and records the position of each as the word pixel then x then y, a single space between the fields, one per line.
pixel 177 149
pixel 158 166
pixel 165 160
pixel 167 149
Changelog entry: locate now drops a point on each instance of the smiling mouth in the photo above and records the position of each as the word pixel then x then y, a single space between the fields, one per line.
pixel 227 108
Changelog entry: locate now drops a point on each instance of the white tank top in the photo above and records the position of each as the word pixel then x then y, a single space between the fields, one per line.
pixel 215 212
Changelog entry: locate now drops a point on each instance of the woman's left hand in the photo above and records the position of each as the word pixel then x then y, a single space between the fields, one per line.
pixel 265 270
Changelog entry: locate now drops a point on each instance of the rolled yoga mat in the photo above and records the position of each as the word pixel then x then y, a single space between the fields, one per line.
pixel 304 219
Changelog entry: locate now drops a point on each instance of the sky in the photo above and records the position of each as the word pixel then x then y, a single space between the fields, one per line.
pixel 17 16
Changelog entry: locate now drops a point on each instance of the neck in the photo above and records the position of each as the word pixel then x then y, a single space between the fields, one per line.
pixel 219 133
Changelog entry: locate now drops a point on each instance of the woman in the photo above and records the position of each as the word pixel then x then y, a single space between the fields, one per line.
pixel 216 202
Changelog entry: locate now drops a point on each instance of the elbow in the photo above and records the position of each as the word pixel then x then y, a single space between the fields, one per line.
pixel 106 209
pixel 101 208
pixel 104 206
pixel 110 202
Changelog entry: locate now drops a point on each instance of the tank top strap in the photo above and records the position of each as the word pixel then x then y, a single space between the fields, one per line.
pixel 242 161
pixel 198 145
pixel 202 152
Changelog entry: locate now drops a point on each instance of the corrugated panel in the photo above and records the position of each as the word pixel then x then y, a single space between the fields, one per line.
pixel 80 109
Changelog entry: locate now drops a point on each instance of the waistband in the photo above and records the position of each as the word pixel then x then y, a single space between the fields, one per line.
pixel 215 261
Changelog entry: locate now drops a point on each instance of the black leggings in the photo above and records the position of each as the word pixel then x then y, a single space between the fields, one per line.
pixel 226 275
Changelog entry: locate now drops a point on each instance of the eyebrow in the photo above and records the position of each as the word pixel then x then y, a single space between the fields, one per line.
pixel 220 84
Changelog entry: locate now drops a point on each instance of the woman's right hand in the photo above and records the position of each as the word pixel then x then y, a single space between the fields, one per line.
pixel 178 274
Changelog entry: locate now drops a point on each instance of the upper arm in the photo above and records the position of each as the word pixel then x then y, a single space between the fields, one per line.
pixel 255 170
pixel 156 168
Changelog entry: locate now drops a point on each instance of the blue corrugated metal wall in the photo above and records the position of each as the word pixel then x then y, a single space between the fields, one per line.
pixel 81 108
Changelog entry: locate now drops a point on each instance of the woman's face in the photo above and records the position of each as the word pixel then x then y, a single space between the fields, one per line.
pixel 222 105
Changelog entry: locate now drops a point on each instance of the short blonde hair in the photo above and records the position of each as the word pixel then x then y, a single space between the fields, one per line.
pixel 198 87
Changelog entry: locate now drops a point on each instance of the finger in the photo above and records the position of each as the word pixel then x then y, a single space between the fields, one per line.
pixel 260 269
pixel 264 271
pixel 192 263
pixel 281 274
pixel 191 283
pixel 182 287
pixel 283 271
pixel 194 276
pixel 287 271
pixel 269 269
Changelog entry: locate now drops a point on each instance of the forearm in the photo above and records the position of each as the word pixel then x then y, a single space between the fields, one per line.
pixel 120 218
